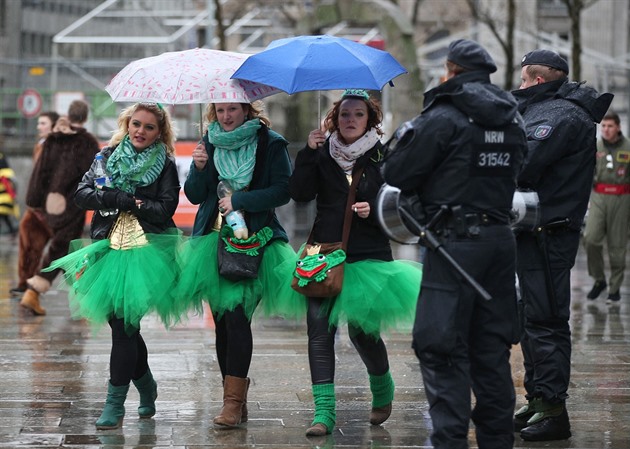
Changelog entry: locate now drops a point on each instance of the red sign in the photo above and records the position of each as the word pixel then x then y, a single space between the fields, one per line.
pixel 29 103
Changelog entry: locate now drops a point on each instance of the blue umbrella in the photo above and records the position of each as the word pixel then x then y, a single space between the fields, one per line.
pixel 305 63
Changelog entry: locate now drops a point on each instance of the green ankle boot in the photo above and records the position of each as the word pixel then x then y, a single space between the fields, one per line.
pixel 325 414
pixel 114 410
pixel 382 388
pixel 147 387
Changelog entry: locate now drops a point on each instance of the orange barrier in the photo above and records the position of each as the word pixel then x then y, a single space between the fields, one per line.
pixel 185 213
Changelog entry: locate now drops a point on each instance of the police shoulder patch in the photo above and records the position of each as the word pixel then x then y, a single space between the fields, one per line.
pixel 542 132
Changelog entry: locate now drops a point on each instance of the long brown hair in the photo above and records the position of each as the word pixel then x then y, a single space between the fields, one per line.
pixel 375 114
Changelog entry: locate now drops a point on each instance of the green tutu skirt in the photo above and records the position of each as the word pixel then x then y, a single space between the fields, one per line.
pixel 376 296
pixel 125 283
pixel 201 282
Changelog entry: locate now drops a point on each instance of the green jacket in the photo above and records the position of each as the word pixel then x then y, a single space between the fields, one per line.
pixel 268 189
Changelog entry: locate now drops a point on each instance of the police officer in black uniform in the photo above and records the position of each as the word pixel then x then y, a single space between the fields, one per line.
pixel 560 121
pixel 461 157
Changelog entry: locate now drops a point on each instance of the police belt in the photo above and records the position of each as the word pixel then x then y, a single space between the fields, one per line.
pixel 467 224
pixel 612 189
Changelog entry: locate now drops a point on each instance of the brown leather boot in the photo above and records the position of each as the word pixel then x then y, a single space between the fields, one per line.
pixel 234 392
pixel 30 301
pixel 379 415
pixel 244 412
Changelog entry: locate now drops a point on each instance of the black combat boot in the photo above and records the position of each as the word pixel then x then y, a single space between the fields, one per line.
pixel 549 423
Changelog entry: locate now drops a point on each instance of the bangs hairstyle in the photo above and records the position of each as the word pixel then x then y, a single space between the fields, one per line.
pixel 167 131
pixel 254 110
pixel 375 114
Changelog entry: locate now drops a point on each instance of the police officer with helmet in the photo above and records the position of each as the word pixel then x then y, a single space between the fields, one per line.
pixel 461 156
pixel 560 121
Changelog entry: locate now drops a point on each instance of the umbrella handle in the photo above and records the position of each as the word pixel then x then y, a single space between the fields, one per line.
pixel 200 121
pixel 319 109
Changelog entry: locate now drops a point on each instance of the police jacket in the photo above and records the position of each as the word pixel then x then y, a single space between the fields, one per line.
pixel 160 200
pixel 560 159
pixel 317 176
pixel 465 149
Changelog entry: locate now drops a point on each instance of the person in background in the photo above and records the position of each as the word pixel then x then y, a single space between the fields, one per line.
pixel 378 293
pixel 9 210
pixel 241 150
pixel 461 156
pixel 33 233
pixel 64 159
pixel 608 216
pixel 560 119
pixel 128 271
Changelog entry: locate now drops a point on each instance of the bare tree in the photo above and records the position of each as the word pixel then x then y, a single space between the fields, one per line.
pixel 415 12
pixel 485 16
pixel 574 9
pixel 218 19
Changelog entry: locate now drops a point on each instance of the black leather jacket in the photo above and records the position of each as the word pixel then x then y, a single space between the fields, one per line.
pixel 160 200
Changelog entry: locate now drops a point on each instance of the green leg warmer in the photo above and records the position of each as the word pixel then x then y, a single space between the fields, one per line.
pixel 114 410
pixel 382 388
pixel 147 387
pixel 324 397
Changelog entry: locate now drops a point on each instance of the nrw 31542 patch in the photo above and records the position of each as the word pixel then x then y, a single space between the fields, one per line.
pixel 542 132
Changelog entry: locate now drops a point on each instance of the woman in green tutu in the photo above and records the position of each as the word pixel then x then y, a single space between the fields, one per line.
pixel 127 271
pixel 239 174
pixel 378 293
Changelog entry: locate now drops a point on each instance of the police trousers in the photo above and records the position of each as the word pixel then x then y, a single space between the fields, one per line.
pixel 546 305
pixel 463 341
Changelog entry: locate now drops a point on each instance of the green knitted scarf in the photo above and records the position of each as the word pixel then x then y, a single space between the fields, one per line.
pixel 130 169
pixel 235 152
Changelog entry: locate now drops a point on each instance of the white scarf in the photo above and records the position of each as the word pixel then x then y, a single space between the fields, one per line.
pixel 346 155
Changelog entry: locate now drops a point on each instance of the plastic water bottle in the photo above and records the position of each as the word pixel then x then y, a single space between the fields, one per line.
pixel 101 180
pixel 235 219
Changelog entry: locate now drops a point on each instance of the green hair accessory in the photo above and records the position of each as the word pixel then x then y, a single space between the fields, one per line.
pixel 361 93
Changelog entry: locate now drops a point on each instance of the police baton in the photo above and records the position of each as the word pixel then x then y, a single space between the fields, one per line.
pixel 426 234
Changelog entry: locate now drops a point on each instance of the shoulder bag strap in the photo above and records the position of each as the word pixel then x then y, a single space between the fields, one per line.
pixel 347 221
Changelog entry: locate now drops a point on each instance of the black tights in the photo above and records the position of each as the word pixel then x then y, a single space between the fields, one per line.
pixel 234 343
pixel 129 357
pixel 321 346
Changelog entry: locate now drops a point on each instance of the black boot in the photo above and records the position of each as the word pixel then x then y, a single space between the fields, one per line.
pixel 597 289
pixel 552 424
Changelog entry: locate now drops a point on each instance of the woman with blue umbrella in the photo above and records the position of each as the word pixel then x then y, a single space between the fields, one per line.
pixel 378 293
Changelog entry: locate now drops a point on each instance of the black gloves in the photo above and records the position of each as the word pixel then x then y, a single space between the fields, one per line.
pixel 117 199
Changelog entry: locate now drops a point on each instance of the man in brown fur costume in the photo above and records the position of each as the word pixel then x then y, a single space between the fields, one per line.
pixel 67 154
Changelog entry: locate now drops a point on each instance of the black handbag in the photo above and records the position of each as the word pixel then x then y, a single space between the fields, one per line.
pixel 240 259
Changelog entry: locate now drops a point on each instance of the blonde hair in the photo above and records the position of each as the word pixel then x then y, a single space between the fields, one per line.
pixel 254 110
pixel 545 72
pixel 165 125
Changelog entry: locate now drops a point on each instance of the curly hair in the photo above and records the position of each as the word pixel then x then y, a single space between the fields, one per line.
pixel 375 114
pixel 167 130
pixel 254 110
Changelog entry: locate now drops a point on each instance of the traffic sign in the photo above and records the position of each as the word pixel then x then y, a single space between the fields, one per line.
pixel 29 103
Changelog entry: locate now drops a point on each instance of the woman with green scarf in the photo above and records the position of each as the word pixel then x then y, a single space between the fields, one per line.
pixel 240 149
pixel 128 268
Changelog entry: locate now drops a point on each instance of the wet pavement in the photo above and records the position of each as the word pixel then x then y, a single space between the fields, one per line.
pixel 53 374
